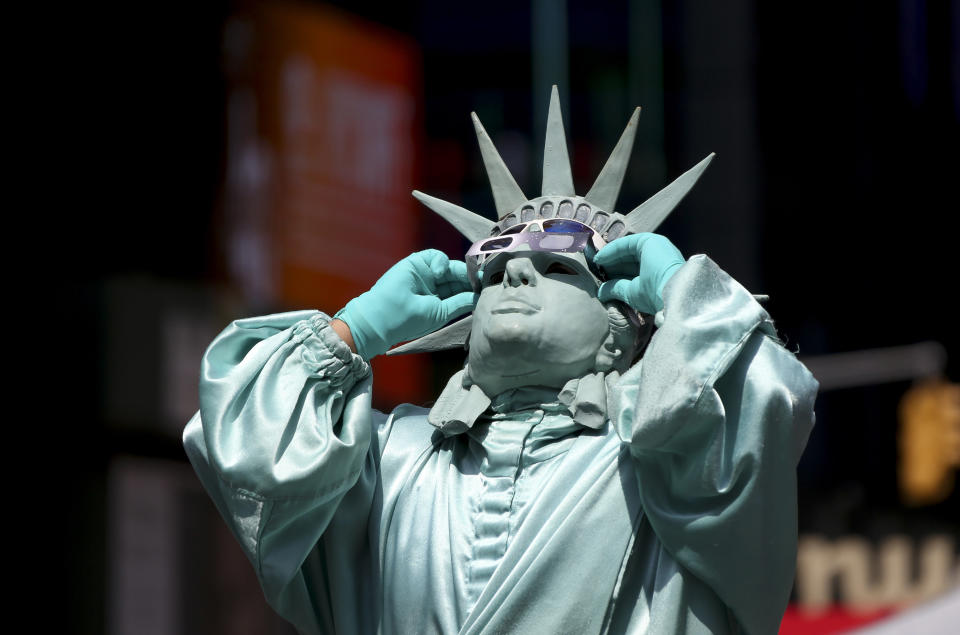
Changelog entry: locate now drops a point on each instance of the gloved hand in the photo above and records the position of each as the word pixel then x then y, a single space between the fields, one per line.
pixel 639 266
pixel 414 297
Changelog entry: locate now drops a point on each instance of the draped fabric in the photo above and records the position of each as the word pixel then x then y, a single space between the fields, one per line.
pixel 676 514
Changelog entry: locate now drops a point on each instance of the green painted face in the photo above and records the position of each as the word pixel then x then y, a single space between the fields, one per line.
pixel 538 321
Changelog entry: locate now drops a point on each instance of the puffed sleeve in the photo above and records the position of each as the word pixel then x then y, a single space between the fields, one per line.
pixel 716 416
pixel 282 443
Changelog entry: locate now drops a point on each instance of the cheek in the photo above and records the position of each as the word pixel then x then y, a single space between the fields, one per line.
pixel 483 301
pixel 575 307
pixel 576 329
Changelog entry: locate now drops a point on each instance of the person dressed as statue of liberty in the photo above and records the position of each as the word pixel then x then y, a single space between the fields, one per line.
pixel 617 455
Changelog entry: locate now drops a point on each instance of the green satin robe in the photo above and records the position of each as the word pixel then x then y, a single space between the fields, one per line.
pixel 677 514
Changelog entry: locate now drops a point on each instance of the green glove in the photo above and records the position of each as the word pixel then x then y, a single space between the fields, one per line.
pixel 414 297
pixel 639 266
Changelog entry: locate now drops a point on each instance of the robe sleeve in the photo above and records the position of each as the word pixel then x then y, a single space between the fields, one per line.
pixel 282 444
pixel 716 416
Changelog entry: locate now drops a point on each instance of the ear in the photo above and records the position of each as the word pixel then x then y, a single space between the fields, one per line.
pixel 609 354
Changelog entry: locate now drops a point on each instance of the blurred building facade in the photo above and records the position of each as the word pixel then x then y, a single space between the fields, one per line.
pixel 270 143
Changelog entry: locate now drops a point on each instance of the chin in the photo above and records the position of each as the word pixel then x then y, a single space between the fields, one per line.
pixel 503 348
pixel 509 335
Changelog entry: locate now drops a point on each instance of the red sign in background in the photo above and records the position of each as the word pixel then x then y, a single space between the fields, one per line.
pixel 322 146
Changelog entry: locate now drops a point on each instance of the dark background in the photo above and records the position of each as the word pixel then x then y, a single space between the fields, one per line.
pixel 834 191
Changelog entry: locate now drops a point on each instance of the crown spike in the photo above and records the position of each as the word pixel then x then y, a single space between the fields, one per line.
pixel 507 195
pixel 648 216
pixel 606 188
pixel 471 225
pixel 557 176
pixel 451 336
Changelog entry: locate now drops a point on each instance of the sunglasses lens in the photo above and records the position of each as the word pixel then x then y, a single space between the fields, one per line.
pixel 562 226
pixel 557 243
pixel 496 244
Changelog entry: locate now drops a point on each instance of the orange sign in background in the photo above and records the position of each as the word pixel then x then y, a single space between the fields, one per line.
pixel 322 142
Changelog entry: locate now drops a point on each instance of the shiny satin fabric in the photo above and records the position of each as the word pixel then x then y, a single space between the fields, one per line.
pixel 677 515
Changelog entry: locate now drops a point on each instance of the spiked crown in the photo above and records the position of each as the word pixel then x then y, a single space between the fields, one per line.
pixel 557 199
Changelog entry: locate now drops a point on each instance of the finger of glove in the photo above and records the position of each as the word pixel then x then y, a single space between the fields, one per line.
pixel 418 271
pixel 659 250
pixel 456 306
pixel 620 289
pixel 626 290
pixel 453 279
pixel 406 274
pixel 622 254
pixel 428 313
pixel 439 275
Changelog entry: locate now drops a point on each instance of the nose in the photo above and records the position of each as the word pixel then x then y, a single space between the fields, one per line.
pixel 520 271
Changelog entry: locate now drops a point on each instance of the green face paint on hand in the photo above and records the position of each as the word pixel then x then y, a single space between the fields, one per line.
pixel 538 321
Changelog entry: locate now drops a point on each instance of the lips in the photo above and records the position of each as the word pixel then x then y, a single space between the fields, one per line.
pixel 515 305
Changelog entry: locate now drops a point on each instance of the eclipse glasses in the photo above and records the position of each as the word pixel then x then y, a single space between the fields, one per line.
pixel 551 234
